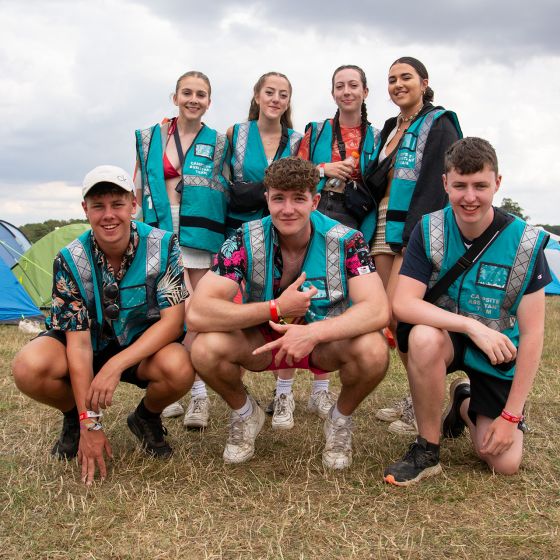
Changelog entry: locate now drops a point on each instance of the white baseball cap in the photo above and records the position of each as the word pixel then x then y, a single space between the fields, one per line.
pixel 107 174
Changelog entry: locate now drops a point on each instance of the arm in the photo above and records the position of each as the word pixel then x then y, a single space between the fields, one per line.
pixel 429 194
pixel 530 316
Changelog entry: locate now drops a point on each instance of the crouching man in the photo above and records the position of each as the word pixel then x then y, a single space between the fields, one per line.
pixel 489 322
pixel 294 265
pixel 117 315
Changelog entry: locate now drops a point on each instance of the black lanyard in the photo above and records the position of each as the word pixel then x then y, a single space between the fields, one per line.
pixel 340 141
pixel 283 143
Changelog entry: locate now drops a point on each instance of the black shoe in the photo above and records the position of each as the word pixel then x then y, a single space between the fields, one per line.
pixel 66 446
pixel 270 406
pixel 452 425
pixel 418 463
pixel 151 434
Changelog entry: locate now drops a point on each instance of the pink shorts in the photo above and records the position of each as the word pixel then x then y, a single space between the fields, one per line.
pixel 305 363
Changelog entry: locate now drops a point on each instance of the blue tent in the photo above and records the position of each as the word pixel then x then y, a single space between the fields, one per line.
pixel 552 253
pixel 15 303
pixel 13 243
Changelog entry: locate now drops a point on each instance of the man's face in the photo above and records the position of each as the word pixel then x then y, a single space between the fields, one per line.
pixel 109 216
pixel 290 210
pixel 471 196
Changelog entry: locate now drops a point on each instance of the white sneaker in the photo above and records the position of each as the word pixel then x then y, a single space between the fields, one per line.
pixel 320 403
pixel 240 445
pixel 197 413
pixel 407 423
pixel 283 417
pixel 338 447
pixel 394 412
pixel 173 410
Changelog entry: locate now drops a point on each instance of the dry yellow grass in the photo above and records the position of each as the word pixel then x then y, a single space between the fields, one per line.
pixel 282 504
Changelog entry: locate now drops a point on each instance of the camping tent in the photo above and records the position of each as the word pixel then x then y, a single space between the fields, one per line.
pixel 13 243
pixel 552 253
pixel 34 268
pixel 15 304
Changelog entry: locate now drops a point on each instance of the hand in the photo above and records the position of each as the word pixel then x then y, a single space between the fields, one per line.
pixel 339 170
pixel 293 302
pixel 499 437
pixel 497 346
pixel 296 343
pixel 91 452
pixel 100 393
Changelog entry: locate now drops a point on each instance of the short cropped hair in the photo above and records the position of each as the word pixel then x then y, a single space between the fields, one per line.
pixel 469 155
pixel 292 174
pixel 106 187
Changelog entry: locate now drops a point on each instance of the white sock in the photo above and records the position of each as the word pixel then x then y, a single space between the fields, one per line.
pixel 284 386
pixel 246 410
pixel 198 389
pixel 320 385
pixel 336 414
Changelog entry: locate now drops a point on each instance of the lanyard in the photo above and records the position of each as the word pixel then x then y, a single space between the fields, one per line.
pixel 283 143
pixel 340 141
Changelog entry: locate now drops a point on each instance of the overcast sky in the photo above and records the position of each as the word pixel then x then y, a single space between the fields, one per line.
pixel 77 78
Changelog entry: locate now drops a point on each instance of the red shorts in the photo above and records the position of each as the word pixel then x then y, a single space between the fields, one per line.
pixel 270 335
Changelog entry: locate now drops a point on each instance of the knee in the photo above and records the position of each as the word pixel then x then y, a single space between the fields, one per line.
pixel 27 370
pixel 425 343
pixel 371 354
pixel 502 465
pixel 178 370
pixel 206 350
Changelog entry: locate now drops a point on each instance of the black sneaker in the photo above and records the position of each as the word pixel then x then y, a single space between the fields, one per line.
pixel 66 446
pixel 418 463
pixel 452 425
pixel 270 406
pixel 151 434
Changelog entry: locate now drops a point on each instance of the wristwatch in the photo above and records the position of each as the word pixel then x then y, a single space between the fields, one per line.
pixel 322 170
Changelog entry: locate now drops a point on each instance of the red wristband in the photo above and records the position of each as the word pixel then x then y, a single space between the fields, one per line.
pixel 510 417
pixel 274 311
pixel 89 414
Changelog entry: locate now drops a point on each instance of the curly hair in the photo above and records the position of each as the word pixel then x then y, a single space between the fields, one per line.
pixel 292 174
pixel 469 155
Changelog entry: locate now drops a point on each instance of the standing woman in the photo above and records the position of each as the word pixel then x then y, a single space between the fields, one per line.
pixel 182 188
pixel 266 137
pixel 405 177
pixel 331 143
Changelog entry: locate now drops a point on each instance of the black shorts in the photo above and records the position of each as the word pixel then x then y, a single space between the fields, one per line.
pixel 488 394
pixel 129 375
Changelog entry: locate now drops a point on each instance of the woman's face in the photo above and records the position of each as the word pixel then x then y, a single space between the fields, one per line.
pixel 192 98
pixel 348 91
pixel 273 98
pixel 406 87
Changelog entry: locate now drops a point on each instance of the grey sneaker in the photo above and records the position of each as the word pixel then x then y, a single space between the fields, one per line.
pixel 173 410
pixel 283 417
pixel 392 413
pixel 198 412
pixel 240 445
pixel 338 447
pixel 407 423
pixel 320 403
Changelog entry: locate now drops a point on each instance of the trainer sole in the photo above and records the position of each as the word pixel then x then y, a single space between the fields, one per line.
pixel 426 473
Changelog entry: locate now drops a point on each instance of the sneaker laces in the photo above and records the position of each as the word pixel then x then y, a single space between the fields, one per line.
pixel 418 455
pixel 155 428
pixel 325 398
pixel 341 436
pixel 198 405
pixel 281 406
pixel 236 430
pixel 408 416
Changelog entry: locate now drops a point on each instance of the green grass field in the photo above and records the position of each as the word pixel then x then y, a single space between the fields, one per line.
pixel 282 504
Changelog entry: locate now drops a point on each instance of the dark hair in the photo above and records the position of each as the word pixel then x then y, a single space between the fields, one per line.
pixel 105 187
pixel 428 95
pixel 363 110
pixel 194 74
pixel 254 109
pixel 470 155
pixel 292 174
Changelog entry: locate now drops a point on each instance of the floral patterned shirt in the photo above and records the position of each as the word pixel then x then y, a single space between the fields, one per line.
pixel 231 261
pixel 68 308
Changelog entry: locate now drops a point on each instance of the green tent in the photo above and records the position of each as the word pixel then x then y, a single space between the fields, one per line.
pixel 34 268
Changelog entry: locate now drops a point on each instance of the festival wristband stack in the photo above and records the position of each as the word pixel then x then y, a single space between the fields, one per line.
pixel 90 420
pixel 511 417
pixel 275 313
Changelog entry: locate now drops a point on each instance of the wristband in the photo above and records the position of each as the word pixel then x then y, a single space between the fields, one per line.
pixel 321 170
pixel 274 315
pixel 91 425
pixel 90 414
pixel 510 417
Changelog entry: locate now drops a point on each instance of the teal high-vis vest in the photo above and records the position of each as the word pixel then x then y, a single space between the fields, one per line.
pixel 202 209
pixel 137 289
pixel 320 151
pixel 491 289
pixel 248 160
pixel 324 264
pixel 408 163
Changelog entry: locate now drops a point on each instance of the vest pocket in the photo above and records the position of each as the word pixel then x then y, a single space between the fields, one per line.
pixel 132 297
